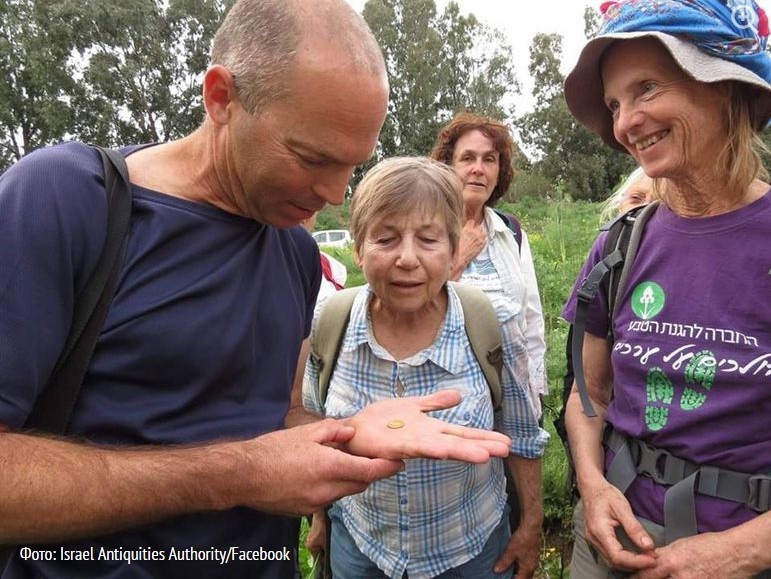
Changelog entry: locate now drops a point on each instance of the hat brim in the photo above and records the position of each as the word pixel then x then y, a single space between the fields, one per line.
pixel 584 91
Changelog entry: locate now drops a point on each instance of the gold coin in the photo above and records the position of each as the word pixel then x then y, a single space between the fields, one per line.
pixel 394 424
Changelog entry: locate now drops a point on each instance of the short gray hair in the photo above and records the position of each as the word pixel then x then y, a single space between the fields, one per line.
pixel 258 42
pixel 400 185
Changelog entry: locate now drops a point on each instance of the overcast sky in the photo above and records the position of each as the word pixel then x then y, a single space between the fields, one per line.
pixel 520 21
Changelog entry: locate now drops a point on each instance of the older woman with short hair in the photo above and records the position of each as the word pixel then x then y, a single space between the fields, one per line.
pixel 407 336
pixel 674 469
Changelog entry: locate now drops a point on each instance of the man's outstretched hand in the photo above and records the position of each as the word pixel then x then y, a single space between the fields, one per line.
pixel 420 436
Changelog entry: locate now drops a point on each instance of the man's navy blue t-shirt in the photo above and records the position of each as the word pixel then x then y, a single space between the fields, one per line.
pixel 200 343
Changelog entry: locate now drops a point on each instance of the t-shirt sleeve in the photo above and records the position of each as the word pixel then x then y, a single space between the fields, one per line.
pixel 597 317
pixel 52 228
pixel 307 253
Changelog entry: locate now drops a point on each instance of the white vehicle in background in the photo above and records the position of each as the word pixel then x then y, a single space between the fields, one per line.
pixel 332 237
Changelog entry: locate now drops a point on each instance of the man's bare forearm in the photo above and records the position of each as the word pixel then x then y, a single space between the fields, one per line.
pixel 55 489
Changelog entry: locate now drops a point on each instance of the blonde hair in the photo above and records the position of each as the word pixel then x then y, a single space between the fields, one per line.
pixel 402 184
pixel 740 157
pixel 612 205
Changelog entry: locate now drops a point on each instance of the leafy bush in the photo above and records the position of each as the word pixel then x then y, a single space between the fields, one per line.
pixel 529 184
pixel 332 217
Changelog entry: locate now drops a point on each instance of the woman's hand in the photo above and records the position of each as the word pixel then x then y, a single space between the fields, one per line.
pixel 316 541
pixel 472 241
pixel 398 428
pixel 605 508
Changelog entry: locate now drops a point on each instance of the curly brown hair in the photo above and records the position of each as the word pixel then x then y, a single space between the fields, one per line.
pixel 462 123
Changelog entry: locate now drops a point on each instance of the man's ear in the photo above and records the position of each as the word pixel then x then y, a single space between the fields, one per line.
pixel 219 93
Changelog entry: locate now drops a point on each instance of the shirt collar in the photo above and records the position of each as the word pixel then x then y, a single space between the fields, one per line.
pixel 494 223
pixel 446 351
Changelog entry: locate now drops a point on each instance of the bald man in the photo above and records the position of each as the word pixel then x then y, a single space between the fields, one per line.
pixel 175 462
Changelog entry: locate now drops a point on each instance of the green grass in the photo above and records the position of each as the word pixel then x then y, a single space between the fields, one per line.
pixel 306 560
pixel 560 233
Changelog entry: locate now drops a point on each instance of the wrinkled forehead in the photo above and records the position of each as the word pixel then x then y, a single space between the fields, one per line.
pixel 637 57
pixel 475 140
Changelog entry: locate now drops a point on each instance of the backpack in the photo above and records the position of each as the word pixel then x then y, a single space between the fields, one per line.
pixel 618 254
pixel 514 225
pixel 620 250
pixel 481 323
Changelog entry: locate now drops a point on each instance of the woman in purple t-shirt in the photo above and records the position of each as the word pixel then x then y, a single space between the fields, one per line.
pixel 675 470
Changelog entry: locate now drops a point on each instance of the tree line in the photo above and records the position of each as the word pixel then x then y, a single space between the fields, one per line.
pixel 118 72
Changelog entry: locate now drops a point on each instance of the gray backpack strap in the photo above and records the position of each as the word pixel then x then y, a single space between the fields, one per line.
pixel 684 480
pixel 484 333
pixel 634 243
pixel 329 334
pixel 621 253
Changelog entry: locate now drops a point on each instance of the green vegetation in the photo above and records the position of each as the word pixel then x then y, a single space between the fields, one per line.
pixel 560 233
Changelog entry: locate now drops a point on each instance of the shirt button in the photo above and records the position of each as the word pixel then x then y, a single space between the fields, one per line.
pixel 467 416
pixel 402 501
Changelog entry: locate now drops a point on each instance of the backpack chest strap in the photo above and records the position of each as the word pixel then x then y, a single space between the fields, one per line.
pixel 635 458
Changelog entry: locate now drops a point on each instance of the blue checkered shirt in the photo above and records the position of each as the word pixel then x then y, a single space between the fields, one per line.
pixel 434 515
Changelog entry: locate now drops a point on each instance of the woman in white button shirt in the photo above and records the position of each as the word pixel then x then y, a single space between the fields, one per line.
pixel 480 150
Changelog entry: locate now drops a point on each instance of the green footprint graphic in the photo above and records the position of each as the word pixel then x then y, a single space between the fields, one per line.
pixel 660 394
pixel 699 371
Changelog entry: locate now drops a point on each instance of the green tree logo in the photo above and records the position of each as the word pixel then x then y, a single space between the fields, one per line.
pixel 648 300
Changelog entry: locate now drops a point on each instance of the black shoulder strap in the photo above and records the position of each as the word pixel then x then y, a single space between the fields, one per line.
pixel 52 410
pixel 630 251
pixel 513 224
pixel 624 234
pixel 619 231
